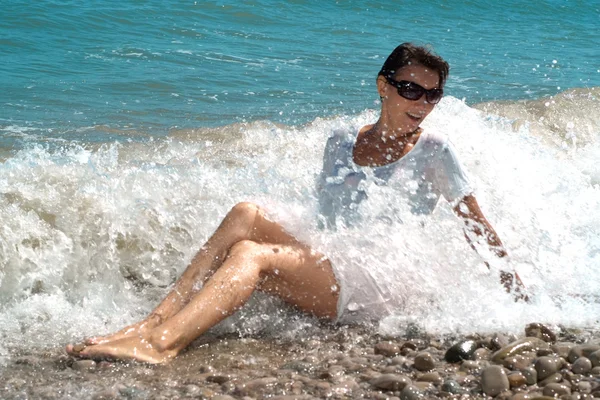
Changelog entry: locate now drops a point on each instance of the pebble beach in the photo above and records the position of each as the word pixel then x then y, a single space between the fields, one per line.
pixel 338 362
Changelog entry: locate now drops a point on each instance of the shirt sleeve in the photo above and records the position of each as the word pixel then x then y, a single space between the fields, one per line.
pixel 451 180
pixel 331 160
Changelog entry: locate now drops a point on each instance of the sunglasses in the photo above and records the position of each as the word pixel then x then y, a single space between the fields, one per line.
pixel 412 91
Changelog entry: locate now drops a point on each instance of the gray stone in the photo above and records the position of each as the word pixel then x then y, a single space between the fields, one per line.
pixel 387 349
pixel 107 394
pixel 482 354
pixel 433 377
pixel 451 386
pixel 582 365
pixel 584 387
pixel 255 385
pixel 530 375
pixel 494 380
pixel 540 331
pixel 345 388
pixel 584 350
pixel 595 358
pixel 423 386
pixel 562 349
pixel 84 365
pixel 521 396
pixel 469 366
pixel 546 366
pixel 498 341
pixel 556 389
pixel 390 382
pixel 554 378
pixel 411 393
pixel 424 362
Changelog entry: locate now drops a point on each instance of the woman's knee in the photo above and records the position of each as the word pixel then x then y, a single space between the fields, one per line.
pixel 247 249
pixel 241 218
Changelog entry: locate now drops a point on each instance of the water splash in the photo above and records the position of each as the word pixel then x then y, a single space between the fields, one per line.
pixel 93 235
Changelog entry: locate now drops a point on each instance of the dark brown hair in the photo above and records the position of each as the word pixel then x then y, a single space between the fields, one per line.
pixel 408 53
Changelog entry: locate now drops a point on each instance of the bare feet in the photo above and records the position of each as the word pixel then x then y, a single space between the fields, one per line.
pixel 136 348
pixel 139 328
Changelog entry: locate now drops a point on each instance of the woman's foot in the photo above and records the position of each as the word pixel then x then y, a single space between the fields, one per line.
pixel 137 329
pixel 136 348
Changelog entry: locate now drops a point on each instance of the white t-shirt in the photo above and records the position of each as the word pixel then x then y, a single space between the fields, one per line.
pixel 430 170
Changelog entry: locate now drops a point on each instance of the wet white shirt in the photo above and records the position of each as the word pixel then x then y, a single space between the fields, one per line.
pixel 430 170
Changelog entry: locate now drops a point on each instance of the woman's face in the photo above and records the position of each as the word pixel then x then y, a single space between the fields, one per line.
pixel 402 114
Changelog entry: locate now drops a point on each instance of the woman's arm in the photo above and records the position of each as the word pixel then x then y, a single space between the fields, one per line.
pixel 468 209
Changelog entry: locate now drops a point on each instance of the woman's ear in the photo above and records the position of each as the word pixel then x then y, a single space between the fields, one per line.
pixel 382 86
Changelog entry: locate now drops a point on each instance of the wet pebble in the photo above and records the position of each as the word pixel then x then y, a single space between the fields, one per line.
pixel 530 375
pixel 519 362
pixel 462 350
pixel 584 387
pixel 494 380
pixel 540 331
pixel 106 394
pixel 255 385
pixel 220 379
pixel 469 366
pixel 516 379
pixel 424 362
pixel 84 365
pixel 554 378
pixel 411 393
pixel 451 386
pixel 223 397
pixel 556 389
pixel 582 365
pixel 387 349
pixel 398 360
pixel 594 357
pixel 521 396
pixel 582 351
pixel 546 366
pixel 391 382
pixel 432 377
pixel 519 346
pixel 482 354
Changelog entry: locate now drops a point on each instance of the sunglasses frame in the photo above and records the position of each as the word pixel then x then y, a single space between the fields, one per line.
pixel 430 94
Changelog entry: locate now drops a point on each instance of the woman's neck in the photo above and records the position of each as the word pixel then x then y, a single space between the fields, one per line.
pixel 378 146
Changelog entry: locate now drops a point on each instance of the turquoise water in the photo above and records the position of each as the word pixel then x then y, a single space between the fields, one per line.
pixel 150 66
pixel 128 129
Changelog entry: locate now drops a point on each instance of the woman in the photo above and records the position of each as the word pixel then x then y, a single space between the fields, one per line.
pixel 249 252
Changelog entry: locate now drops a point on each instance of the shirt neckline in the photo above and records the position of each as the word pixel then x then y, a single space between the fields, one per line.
pixel 386 165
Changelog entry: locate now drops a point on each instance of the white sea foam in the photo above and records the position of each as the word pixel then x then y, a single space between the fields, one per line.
pixel 92 237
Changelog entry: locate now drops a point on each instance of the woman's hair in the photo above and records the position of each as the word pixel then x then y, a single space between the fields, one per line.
pixel 408 53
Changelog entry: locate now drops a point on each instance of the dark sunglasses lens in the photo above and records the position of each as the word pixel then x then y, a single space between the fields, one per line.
pixel 434 96
pixel 411 91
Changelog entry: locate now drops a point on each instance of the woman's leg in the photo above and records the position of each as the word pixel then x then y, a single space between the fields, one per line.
pixel 245 221
pixel 295 273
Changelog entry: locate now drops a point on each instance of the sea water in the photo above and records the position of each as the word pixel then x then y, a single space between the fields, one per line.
pixel 128 130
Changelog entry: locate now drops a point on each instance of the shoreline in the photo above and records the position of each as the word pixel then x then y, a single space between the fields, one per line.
pixel 336 362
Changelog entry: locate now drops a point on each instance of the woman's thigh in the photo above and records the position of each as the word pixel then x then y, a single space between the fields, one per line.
pixel 301 277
